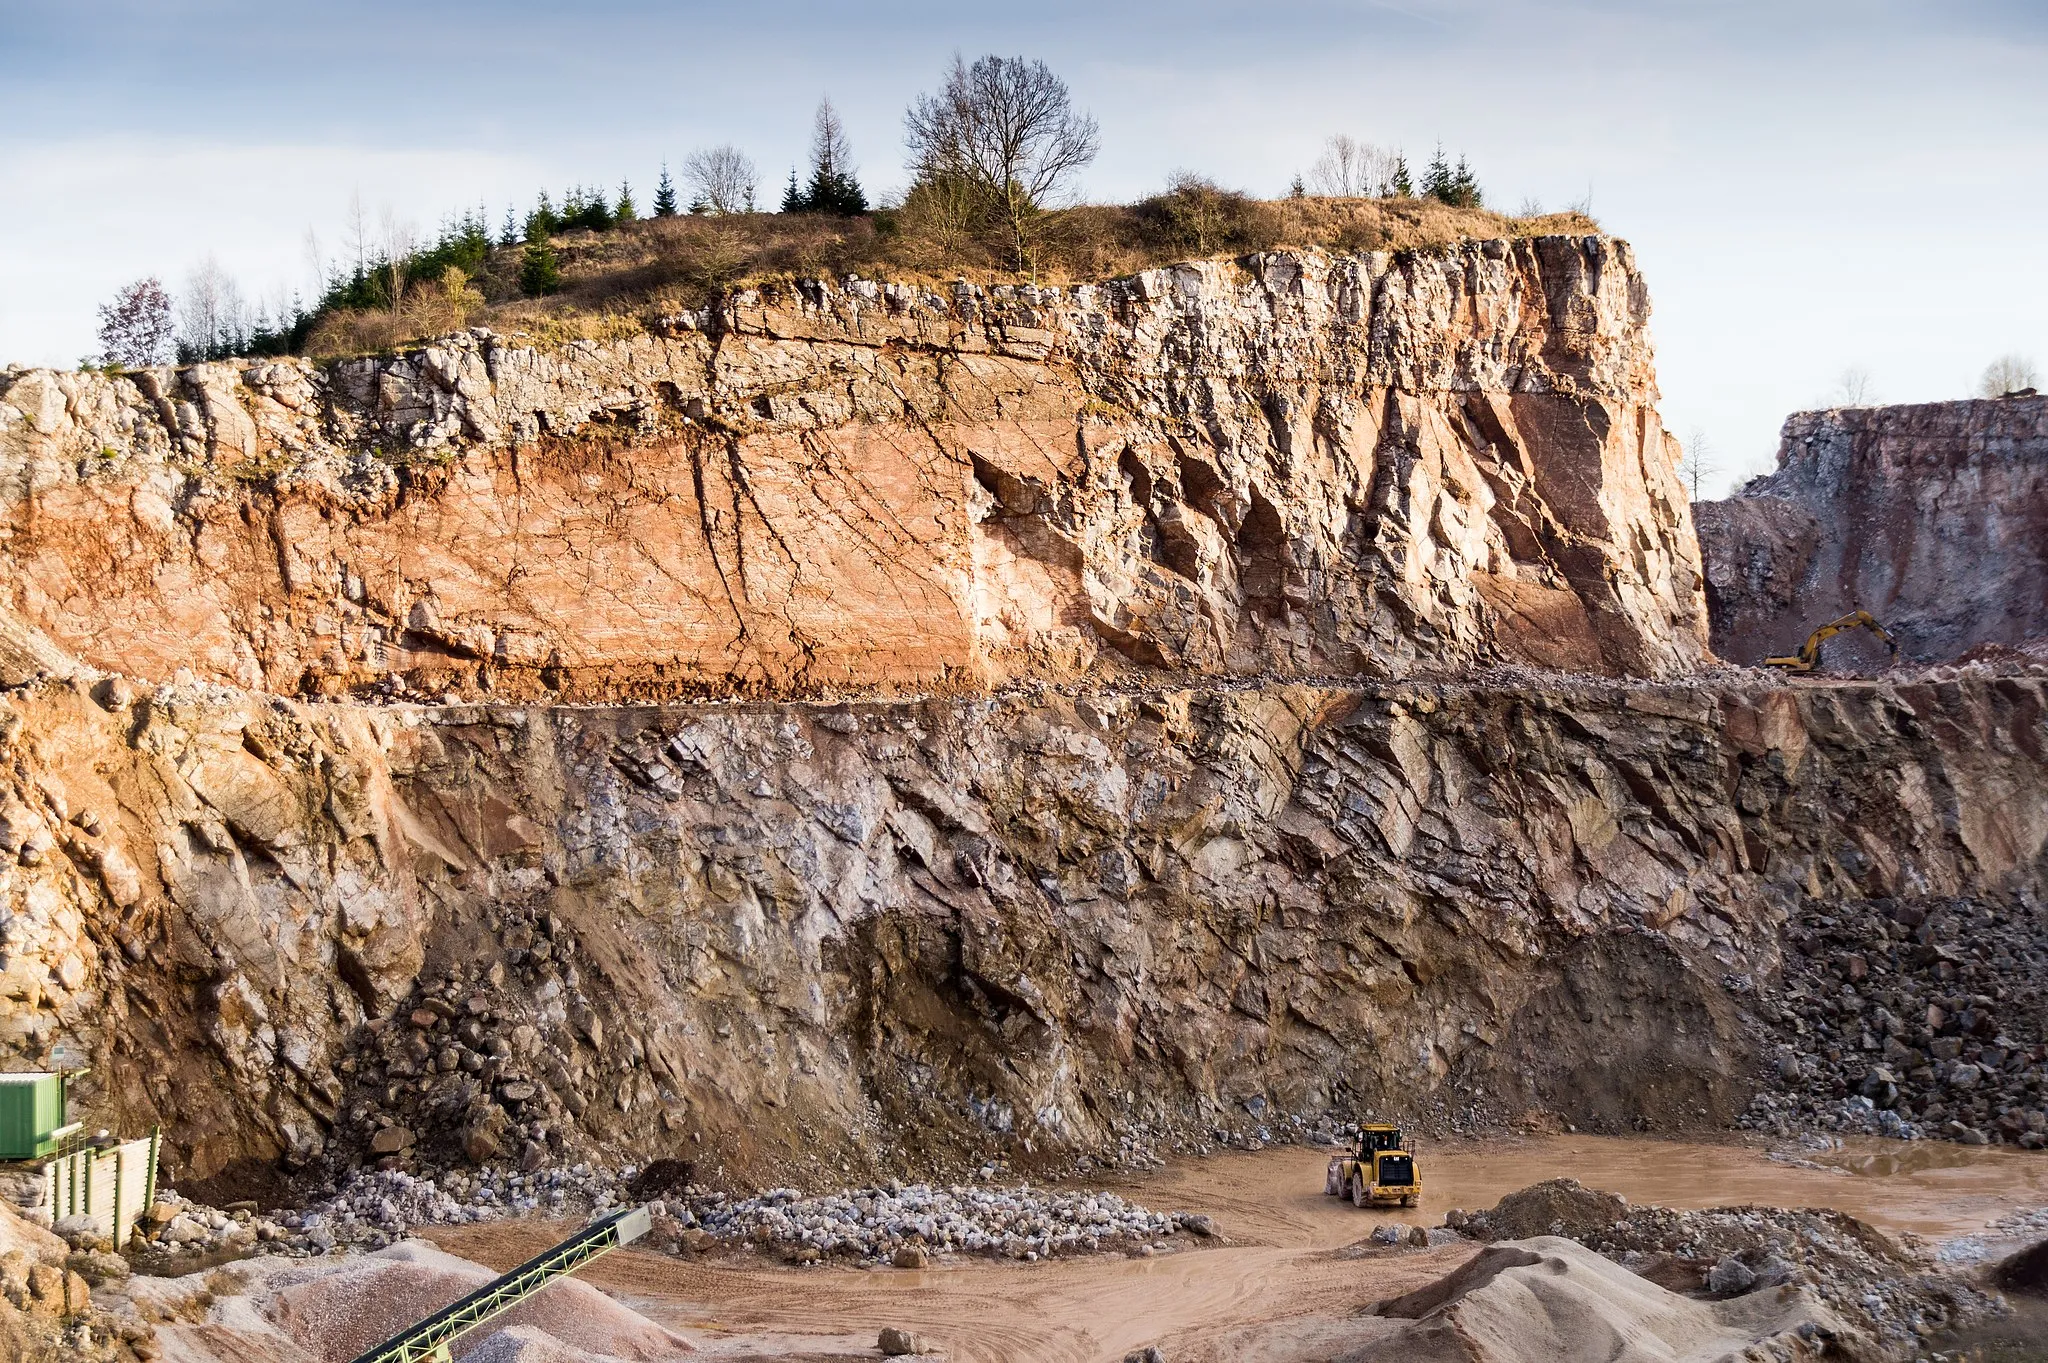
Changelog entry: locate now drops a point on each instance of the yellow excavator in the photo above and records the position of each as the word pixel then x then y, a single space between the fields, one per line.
pixel 1808 656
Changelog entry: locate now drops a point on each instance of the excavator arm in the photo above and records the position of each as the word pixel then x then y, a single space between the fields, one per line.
pixel 1808 656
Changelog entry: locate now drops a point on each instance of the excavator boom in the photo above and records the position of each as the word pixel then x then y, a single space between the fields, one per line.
pixel 1808 656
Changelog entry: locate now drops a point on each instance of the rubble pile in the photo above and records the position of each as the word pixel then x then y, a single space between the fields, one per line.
pixel 485 1064
pixel 902 1224
pixel 1909 1018
pixel 1854 1269
pixel 377 1208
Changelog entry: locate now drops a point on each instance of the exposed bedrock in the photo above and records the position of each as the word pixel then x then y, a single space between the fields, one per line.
pixel 886 930
pixel 1933 517
pixel 1291 464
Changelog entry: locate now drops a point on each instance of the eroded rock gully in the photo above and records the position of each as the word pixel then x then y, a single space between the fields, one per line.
pixel 1292 464
pixel 1932 516
pixel 907 930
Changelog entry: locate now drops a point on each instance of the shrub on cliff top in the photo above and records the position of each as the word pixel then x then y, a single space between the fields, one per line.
pixel 539 272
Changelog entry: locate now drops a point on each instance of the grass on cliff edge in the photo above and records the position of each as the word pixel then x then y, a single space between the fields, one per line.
pixel 615 282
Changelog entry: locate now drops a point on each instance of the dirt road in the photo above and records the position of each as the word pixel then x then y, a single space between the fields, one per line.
pixel 1280 1262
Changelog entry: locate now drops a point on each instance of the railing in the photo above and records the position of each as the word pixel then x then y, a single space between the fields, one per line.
pixel 430 1338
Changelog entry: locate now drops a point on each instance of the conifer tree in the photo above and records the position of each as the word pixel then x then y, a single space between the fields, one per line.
pixel 509 234
pixel 833 188
pixel 543 221
pixel 793 200
pixel 625 211
pixel 1402 183
pixel 539 272
pixel 664 195
pixel 1465 186
pixel 1436 180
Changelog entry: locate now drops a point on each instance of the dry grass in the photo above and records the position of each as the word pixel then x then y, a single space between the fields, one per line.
pixel 615 282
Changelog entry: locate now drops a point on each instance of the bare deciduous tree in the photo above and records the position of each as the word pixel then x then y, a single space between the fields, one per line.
pixel 1009 129
pixel 1699 465
pixel 400 242
pixel 213 318
pixel 1855 388
pixel 136 328
pixel 1350 169
pixel 725 179
pixel 2007 374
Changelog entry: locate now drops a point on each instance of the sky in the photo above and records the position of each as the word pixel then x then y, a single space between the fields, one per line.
pixel 1812 188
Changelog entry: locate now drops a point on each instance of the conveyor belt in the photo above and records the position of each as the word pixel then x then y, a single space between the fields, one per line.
pixel 430 1338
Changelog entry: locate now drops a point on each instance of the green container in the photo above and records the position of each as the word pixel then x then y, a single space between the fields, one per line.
pixel 32 1114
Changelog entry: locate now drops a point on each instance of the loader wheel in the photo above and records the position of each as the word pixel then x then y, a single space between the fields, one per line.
pixel 1410 1200
pixel 1359 1197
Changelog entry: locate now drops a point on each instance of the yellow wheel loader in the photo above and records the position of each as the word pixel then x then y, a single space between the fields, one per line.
pixel 1808 656
pixel 1381 1173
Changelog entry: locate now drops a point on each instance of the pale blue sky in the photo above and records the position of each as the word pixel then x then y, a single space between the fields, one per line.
pixel 1809 186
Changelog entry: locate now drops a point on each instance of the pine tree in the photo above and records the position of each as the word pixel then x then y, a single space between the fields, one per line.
pixel 833 188
pixel 625 211
pixel 1297 190
pixel 543 221
pixel 664 195
pixel 793 200
pixel 1401 182
pixel 1436 180
pixel 539 272
pixel 1465 186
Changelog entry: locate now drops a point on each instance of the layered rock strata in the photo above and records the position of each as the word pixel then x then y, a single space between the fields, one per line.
pixel 1292 464
pixel 1933 517
pixel 1062 923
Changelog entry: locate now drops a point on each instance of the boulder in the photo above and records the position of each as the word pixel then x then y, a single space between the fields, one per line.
pixel 895 1343
pixel 390 1140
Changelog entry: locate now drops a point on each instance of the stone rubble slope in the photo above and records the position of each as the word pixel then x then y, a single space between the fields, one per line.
pixel 1910 1017
pixel 1290 464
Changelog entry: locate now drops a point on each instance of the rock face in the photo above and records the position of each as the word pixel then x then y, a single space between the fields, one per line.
pixel 1932 517
pixel 1258 856
pixel 1292 464
pixel 1091 923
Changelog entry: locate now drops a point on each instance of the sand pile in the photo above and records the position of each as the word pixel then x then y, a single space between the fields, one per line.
pixel 330 1310
pixel 1552 1298
pixel 1846 1264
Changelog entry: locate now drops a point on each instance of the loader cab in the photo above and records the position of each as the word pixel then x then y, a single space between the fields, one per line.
pixel 1373 1139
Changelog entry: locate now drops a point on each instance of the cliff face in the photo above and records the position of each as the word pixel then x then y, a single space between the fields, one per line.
pixel 1196 883
pixel 1291 464
pixel 1051 924
pixel 1932 517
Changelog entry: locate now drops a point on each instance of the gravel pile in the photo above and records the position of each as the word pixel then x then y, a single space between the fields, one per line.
pixel 1857 1271
pixel 375 1208
pixel 1911 1018
pixel 882 1224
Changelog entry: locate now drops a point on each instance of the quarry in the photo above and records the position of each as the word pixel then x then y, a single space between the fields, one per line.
pixel 955 798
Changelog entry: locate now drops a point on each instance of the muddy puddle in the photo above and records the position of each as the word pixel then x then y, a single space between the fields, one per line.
pixel 1279 1229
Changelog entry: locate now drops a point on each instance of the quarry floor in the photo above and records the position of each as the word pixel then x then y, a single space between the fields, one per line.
pixel 1289 1263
